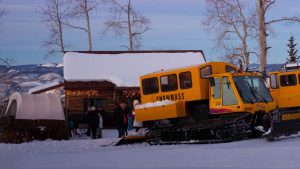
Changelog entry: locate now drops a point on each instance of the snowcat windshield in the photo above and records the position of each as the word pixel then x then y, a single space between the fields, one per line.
pixel 252 89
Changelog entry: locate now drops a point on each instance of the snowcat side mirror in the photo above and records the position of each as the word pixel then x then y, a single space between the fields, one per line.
pixel 212 81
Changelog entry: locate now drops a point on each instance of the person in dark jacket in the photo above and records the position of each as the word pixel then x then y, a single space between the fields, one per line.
pixel 121 112
pixel 125 111
pixel 93 120
pixel 118 119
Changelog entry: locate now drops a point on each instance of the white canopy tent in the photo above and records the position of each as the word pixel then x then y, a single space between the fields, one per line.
pixel 124 68
pixel 35 107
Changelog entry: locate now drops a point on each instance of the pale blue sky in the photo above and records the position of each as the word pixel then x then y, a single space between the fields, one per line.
pixel 176 25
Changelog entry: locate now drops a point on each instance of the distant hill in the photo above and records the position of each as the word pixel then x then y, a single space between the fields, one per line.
pixel 23 77
pixel 270 67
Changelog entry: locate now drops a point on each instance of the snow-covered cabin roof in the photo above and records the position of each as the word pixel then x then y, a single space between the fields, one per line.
pixel 46 86
pixel 35 107
pixel 124 67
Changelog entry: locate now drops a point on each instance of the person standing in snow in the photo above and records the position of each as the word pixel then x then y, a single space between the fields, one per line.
pixel 136 124
pixel 121 113
pixel 88 132
pixel 125 111
pixel 101 111
pixel 93 120
pixel 118 119
pixel 71 125
pixel 130 118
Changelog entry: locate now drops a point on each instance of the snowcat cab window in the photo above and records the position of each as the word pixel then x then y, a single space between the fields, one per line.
pixel 274 81
pixel 217 88
pixel 168 83
pixel 288 80
pixel 252 89
pixel 150 86
pixel 205 72
pixel 229 97
pixel 185 79
pixel 229 69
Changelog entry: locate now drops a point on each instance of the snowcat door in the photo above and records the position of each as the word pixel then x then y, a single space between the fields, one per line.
pixel 274 86
pixel 215 93
pixel 222 96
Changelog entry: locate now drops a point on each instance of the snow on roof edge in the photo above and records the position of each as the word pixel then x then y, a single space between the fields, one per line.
pixel 125 70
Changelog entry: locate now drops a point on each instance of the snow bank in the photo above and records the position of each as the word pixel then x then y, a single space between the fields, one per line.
pixel 155 104
pixel 60 65
pixel 13 71
pixel 52 65
pixel 48 65
pixel 123 69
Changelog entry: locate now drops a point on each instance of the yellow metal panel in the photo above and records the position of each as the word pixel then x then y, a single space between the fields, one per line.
pixel 160 112
pixel 289 100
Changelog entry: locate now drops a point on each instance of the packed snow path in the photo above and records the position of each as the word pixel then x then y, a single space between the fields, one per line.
pixel 90 154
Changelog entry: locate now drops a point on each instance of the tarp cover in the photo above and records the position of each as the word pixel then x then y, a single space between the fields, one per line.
pixel 35 107
pixel 124 69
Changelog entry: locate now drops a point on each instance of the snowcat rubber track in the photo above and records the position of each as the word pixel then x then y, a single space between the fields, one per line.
pixel 213 134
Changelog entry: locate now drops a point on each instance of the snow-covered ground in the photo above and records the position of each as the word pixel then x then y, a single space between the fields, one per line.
pixel 91 154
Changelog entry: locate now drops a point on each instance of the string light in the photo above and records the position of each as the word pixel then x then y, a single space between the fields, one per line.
pixel 81 92
pixel 131 93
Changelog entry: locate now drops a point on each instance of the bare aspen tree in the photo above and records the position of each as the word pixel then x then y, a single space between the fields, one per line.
pixel 125 20
pixel 263 6
pixel 55 15
pixel 4 60
pixel 234 27
pixel 82 9
pixel 2 10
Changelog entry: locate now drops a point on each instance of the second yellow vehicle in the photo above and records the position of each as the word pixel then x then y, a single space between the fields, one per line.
pixel 210 102
pixel 285 89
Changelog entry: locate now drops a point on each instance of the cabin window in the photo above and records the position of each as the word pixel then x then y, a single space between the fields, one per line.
pixel 217 88
pixel 185 79
pixel 150 86
pixel 230 69
pixel 228 96
pixel 168 83
pixel 288 80
pixel 274 81
pixel 205 72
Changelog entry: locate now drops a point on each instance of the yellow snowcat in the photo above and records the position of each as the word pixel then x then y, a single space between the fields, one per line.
pixel 207 103
pixel 285 89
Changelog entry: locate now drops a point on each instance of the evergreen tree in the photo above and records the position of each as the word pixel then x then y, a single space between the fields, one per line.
pixel 292 51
